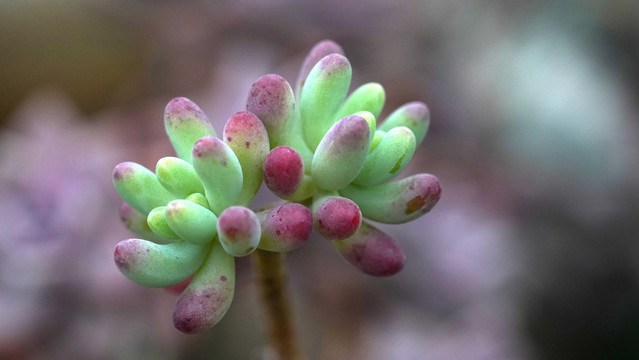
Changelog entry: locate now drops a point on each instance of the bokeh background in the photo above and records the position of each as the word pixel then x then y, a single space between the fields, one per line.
pixel 532 253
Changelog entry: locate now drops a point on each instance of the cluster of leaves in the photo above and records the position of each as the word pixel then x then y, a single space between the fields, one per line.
pixel 317 149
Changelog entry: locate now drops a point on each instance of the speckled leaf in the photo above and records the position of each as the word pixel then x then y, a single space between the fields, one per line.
pixel 398 202
pixel 245 134
pixel 320 50
pixel 220 172
pixel 185 123
pixel 322 95
pixel 372 251
pixel 139 187
pixel 271 99
pixel 389 158
pixel 239 230
pixel 156 265
pixel 341 153
pixel 414 115
pixel 209 294
pixel 285 227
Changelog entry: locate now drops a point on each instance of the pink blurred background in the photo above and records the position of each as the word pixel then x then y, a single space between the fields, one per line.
pixel 532 253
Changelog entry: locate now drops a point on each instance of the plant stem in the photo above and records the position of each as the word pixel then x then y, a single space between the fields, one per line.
pixel 271 280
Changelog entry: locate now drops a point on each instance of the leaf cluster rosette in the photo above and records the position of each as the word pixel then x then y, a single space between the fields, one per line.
pixel 328 150
pixel 314 147
pixel 191 215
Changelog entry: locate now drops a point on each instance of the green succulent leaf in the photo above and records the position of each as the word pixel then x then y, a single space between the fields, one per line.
pixel 322 95
pixel 389 158
pixel 398 202
pixel 208 296
pixel 191 222
pixel 199 199
pixel 156 265
pixel 368 97
pixel 304 191
pixel 271 99
pixel 135 221
pixel 139 187
pixel 220 172
pixel 414 115
pixel 319 51
pixel 341 153
pixel 378 135
pixel 185 123
pixel 245 134
pixel 158 224
pixel 178 176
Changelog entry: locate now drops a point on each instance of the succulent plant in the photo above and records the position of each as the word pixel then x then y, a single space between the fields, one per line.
pixel 328 149
pixel 320 151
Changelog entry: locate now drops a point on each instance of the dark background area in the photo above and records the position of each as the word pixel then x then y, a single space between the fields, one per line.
pixel 532 252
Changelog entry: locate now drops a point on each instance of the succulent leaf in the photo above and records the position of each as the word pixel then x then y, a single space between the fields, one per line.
pixel 178 176
pixel 139 187
pixel 220 172
pixel 136 222
pixel 245 134
pixel 199 199
pixel 305 191
pixel 370 119
pixel 239 230
pixel 157 223
pixel 372 251
pixel 368 97
pixel 283 171
pixel 285 227
pixel 378 135
pixel 156 265
pixel 191 221
pixel 320 50
pixel 322 95
pixel 414 115
pixel 389 158
pixel 185 123
pixel 335 217
pixel 341 153
pixel 208 296
pixel 398 202
pixel 271 99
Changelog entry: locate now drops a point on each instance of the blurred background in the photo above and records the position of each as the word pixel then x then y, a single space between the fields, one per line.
pixel 532 253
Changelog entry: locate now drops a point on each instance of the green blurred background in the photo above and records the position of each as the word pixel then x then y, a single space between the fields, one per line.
pixel 532 253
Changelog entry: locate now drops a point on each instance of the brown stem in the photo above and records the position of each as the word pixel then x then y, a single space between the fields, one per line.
pixel 271 280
